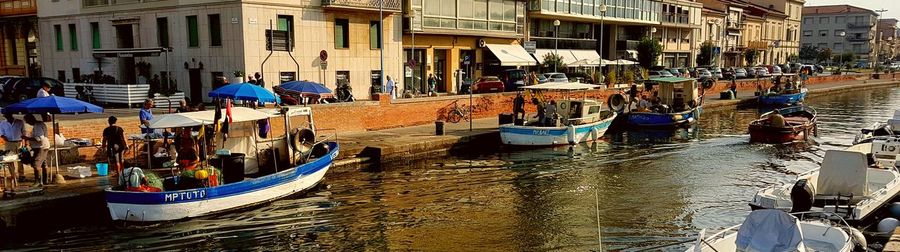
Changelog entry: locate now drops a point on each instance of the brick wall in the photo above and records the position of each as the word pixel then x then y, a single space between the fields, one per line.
pixel 383 114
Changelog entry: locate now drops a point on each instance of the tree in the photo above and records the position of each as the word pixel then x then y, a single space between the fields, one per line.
pixel 847 57
pixel 707 54
pixel 648 52
pixel 793 58
pixel 750 56
pixel 824 55
pixel 809 53
pixel 553 62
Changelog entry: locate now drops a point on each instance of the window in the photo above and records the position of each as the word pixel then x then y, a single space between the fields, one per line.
pixel 838 46
pixel 807 44
pixel 823 33
pixel 808 20
pixel 807 33
pixel 286 23
pixel 341 33
pixel 57 30
pixel 95 35
pixel 857 48
pixel 162 31
pixel 859 19
pixel 837 33
pixel 822 45
pixel 193 32
pixel 215 30
pixel 374 35
pixel 286 77
pixel 840 20
pixel 73 38
pixel 823 20
pixel 60 75
pixel 76 74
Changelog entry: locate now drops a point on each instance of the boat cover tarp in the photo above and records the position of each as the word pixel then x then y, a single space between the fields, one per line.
pixel 191 119
pixel 843 173
pixel 769 230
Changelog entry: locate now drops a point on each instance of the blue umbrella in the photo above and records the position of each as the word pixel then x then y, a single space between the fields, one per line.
pixel 53 105
pixel 307 88
pixel 244 92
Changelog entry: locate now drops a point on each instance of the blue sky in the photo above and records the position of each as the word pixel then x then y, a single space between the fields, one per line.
pixel 892 6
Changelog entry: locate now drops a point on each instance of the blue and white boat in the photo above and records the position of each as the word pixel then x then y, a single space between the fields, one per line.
pixel 179 204
pixel 680 104
pixel 785 98
pixel 579 120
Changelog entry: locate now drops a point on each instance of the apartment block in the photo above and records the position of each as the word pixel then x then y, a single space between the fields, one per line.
pixel 843 28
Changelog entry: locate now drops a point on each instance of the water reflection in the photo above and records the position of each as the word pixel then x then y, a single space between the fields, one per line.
pixel 654 188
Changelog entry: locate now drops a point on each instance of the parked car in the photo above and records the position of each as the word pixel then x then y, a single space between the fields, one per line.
pixel 677 71
pixel 761 72
pixel 716 73
pixel 776 70
pixel 513 79
pixel 557 77
pixel 795 67
pixel 22 88
pixel 751 72
pixel 659 74
pixel 488 84
pixel 740 73
pixel 542 78
pixel 703 73
pixel 785 68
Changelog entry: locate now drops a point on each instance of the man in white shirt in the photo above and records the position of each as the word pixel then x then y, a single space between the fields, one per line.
pixel 11 131
pixel 40 145
pixel 44 91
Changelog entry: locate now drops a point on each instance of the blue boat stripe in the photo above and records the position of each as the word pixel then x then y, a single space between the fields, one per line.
pixel 246 186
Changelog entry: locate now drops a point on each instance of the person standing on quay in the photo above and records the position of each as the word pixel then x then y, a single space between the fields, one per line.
pixel 432 82
pixel 40 145
pixel 259 80
pixel 114 144
pixel 11 131
pixel 390 88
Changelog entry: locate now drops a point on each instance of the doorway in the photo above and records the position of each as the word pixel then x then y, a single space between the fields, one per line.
pixel 196 84
pixel 125 39
pixel 440 67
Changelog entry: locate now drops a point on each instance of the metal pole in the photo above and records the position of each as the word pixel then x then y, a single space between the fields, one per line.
pixel 471 111
pixel 412 29
pixel 381 42
pixel 557 49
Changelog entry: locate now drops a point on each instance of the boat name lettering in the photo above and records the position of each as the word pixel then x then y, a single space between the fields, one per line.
pixel 189 195
pixel 541 132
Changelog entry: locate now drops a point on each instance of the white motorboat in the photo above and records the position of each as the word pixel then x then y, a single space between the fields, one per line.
pixel 879 129
pixel 582 120
pixel 852 183
pixel 774 230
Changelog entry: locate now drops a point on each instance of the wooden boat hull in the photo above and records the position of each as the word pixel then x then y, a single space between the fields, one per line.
pixel 175 205
pixel 800 124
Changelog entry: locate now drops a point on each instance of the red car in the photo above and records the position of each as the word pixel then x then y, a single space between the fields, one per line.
pixel 488 84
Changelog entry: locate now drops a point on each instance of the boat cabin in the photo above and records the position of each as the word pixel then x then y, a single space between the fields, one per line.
pixel 678 93
pixel 580 111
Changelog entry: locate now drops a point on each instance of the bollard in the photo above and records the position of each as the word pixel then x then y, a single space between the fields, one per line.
pixel 438 128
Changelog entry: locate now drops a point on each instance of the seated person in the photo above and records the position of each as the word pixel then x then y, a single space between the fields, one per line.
pixel 643 104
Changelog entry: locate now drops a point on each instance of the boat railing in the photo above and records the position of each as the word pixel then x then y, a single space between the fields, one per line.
pixel 706 241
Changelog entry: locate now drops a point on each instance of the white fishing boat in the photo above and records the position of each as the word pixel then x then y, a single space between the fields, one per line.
pixel 852 183
pixel 773 230
pixel 173 204
pixel 580 120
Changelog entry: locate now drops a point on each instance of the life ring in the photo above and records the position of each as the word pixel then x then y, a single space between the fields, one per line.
pixel 616 103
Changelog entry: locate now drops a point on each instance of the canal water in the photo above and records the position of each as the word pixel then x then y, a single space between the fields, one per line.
pixel 648 189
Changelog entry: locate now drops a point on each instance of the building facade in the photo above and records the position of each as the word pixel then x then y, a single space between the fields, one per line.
pixel 772 30
pixel 823 27
pixel 679 33
pixel 887 39
pixel 211 40
pixel 788 44
pixel 722 25
pixel 452 40
pixel 19 35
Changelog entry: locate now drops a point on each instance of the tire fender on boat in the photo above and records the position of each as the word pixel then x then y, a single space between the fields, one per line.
pixel 570 134
pixel 616 103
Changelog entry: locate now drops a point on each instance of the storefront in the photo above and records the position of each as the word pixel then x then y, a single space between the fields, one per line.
pixel 449 57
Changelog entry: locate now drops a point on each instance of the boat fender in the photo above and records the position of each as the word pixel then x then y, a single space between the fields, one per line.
pixel 616 103
pixel 802 196
pixel 888 225
pixel 858 238
pixel 319 150
pixel 570 134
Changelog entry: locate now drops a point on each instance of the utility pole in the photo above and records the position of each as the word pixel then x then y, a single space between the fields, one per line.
pixel 381 43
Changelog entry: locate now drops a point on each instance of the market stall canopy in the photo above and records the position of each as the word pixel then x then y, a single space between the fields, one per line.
pixel 128 52
pixel 244 92
pixel 53 105
pixel 566 55
pixel 511 55
pixel 562 86
pixel 191 119
pixel 585 58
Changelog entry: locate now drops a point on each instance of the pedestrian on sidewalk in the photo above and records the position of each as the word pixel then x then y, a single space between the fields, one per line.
pixel 11 131
pixel 390 88
pixel 432 82
pixel 259 80
pixel 251 80
pixel 40 145
pixel 733 87
pixel 114 143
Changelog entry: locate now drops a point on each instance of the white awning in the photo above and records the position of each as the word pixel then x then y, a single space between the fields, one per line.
pixel 564 54
pixel 561 86
pixel 511 55
pixel 191 119
pixel 585 58
pixel 622 62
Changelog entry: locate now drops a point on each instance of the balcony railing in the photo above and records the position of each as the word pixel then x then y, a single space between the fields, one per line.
pixel 859 25
pixel 858 39
pixel 17 7
pixel 675 18
pixel 372 5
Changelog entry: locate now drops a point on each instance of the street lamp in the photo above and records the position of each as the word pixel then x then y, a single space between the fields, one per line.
pixel 602 14
pixel 556 24
pixel 841 61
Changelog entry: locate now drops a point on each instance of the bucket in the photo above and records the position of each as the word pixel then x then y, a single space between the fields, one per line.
pixel 102 169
